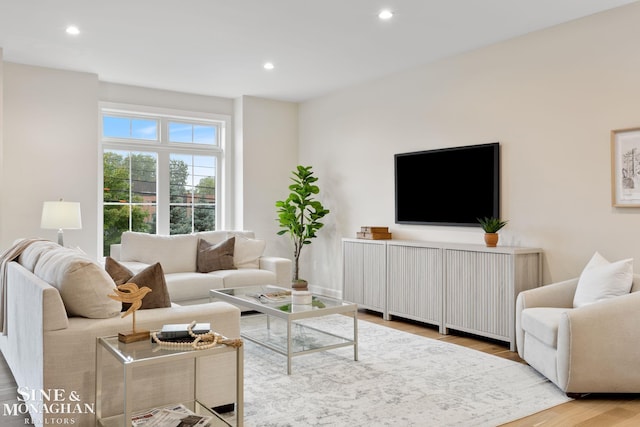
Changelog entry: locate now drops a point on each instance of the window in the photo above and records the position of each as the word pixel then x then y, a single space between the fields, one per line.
pixel 161 172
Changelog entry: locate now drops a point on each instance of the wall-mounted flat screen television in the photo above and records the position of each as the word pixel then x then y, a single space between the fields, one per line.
pixel 448 186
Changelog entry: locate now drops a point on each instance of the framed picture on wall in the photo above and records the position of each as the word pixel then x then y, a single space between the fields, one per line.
pixel 625 168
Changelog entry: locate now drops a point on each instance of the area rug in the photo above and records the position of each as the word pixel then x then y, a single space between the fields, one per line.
pixel 400 379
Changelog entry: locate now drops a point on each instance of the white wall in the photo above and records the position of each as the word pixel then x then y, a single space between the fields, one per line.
pixel 49 148
pixel 550 98
pixel 269 144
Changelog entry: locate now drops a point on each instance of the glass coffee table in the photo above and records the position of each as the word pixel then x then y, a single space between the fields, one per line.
pixel 279 326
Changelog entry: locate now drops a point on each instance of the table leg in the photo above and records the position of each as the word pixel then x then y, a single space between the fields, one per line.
pixel 98 390
pixel 128 395
pixel 240 386
pixel 289 345
pixel 355 335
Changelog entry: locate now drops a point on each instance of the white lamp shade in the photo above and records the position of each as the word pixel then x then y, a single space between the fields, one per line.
pixel 61 215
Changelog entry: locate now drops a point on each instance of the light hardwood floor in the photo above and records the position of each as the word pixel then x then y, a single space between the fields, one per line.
pixel 591 411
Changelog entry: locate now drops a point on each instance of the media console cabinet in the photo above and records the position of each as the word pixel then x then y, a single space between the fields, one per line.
pixel 469 288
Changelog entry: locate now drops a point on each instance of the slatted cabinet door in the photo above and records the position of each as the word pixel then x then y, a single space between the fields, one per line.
pixel 414 284
pixel 365 274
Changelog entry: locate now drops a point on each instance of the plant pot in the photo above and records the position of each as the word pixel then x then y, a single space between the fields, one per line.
pixel 301 298
pixel 300 285
pixel 491 239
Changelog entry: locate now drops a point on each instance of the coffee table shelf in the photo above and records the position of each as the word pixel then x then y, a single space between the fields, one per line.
pixel 279 325
pixel 195 406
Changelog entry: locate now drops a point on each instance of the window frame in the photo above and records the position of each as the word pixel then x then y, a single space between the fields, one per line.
pixel 163 148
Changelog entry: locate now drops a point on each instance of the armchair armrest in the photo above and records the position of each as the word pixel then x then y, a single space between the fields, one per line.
pixel 599 346
pixel 280 266
pixel 554 295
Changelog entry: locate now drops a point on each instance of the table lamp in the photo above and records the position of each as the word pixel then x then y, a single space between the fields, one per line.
pixel 61 215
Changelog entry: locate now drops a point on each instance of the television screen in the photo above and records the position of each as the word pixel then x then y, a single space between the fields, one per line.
pixel 449 186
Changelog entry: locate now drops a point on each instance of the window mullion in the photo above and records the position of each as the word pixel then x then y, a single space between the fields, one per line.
pixel 163 209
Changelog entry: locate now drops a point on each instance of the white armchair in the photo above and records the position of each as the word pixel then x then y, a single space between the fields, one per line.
pixel 590 349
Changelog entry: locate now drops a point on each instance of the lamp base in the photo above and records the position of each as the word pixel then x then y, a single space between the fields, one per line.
pixel 60 239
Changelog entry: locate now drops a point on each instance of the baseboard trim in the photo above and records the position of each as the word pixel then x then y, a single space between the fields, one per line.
pixel 331 293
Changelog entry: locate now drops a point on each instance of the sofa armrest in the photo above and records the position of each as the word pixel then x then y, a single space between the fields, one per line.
pixel 604 334
pixel 115 251
pixel 280 266
pixel 33 308
pixel 554 295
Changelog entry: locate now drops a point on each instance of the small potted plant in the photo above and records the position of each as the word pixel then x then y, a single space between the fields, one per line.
pixel 299 216
pixel 491 226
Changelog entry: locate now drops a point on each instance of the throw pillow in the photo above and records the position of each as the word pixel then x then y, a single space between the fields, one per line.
pixel 118 272
pixel 153 278
pixel 83 284
pixel 213 257
pixel 601 280
pixel 248 252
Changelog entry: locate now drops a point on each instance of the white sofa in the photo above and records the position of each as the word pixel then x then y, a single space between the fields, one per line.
pixel 50 345
pixel 178 256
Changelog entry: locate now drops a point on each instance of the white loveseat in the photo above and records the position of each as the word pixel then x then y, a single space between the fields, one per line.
pixel 178 256
pixel 50 342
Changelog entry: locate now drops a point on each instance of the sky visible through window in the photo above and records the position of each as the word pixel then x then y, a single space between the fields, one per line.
pixel 148 130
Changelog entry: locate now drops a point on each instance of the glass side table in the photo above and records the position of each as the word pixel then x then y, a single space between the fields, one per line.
pixel 145 353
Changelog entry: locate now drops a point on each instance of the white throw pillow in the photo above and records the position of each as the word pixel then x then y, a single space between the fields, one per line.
pixel 247 252
pixel 601 280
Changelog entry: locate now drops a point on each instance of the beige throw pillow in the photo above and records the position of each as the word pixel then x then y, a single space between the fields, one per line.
pixel 215 257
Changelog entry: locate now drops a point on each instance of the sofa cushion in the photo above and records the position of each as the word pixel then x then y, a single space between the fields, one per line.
pixel 601 280
pixel 82 283
pixel 542 323
pixel 212 257
pixel 245 277
pixel 247 252
pixel 176 253
pixel 192 286
pixel 213 236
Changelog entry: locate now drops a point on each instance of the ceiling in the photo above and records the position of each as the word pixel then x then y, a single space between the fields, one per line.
pixel 218 47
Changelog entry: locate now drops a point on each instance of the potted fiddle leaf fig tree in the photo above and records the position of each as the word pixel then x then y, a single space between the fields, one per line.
pixel 491 226
pixel 299 216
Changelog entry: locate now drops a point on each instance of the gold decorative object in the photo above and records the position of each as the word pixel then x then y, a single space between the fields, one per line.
pixel 130 293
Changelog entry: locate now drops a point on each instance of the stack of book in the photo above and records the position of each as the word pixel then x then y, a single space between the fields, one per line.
pixel 373 233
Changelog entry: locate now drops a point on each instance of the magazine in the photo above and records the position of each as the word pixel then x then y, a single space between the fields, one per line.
pixel 275 296
pixel 171 416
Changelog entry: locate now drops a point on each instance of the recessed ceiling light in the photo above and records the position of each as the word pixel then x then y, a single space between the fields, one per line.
pixel 268 66
pixel 73 30
pixel 385 14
